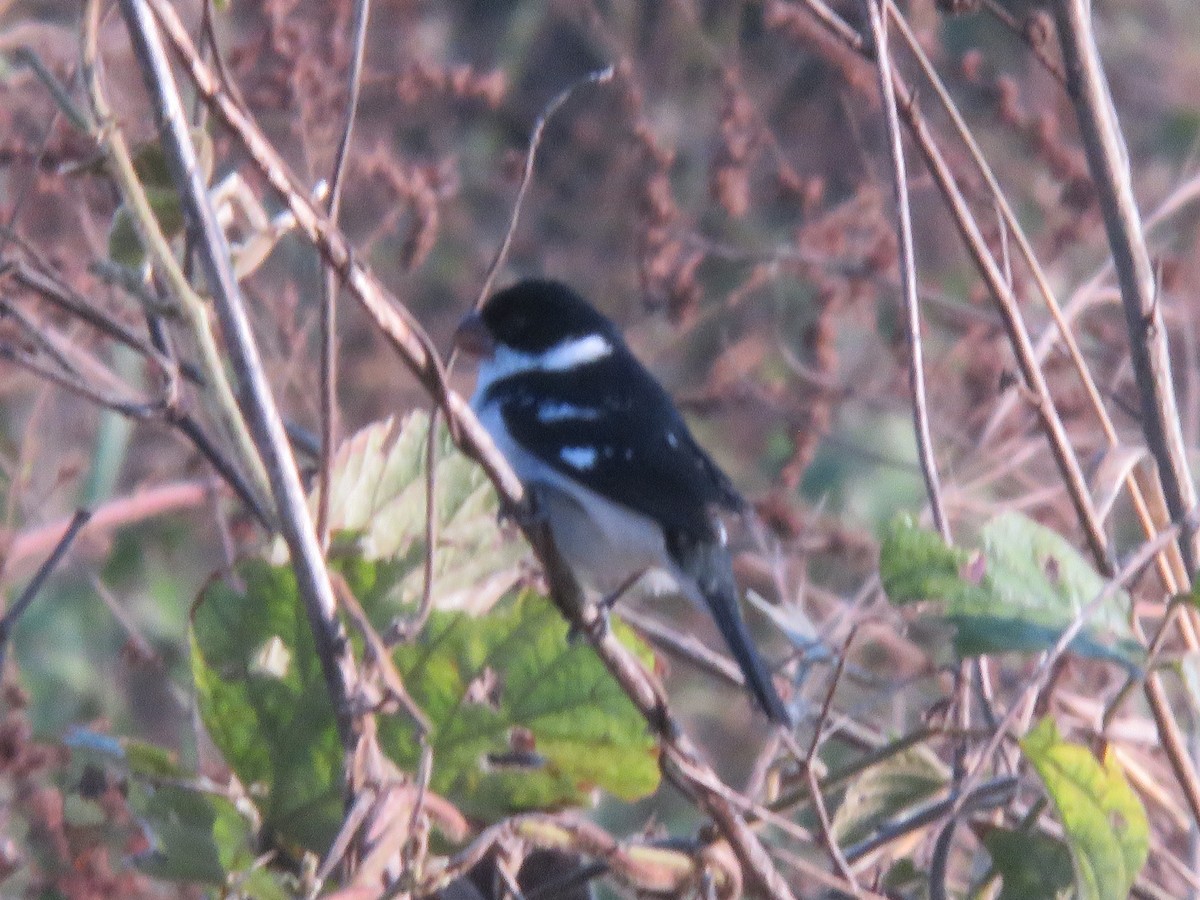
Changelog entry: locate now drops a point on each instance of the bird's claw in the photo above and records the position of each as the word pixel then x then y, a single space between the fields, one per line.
pixel 526 514
pixel 593 624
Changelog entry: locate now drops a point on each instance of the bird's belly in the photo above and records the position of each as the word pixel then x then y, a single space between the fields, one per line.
pixel 605 545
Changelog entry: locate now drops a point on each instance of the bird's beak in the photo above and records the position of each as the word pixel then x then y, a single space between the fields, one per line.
pixel 473 338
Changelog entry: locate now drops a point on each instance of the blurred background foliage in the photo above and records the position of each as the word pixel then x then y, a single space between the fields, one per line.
pixel 725 198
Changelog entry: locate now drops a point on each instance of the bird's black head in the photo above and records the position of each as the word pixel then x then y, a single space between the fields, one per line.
pixel 534 315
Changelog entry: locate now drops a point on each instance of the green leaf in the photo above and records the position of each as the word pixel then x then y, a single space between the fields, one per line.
pixel 522 718
pixel 916 564
pixel 263 700
pixel 905 880
pixel 886 790
pixel 202 837
pixel 1105 824
pixel 1018 592
pixel 150 760
pixel 377 512
pixel 181 825
pixel 1030 864
pixel 195 835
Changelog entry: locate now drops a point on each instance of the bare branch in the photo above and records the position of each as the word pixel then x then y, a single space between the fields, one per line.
pixel 1108 160
pixel 14 612
pixel 969 231
pixel 194 310
pixel 908 272
pixel 329 369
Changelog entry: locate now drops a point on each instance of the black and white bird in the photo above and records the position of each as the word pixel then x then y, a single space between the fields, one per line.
pixel 617 475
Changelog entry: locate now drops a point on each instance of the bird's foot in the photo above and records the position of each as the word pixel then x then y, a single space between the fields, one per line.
pixel 526 515
pixel 609 601
pixel 592 624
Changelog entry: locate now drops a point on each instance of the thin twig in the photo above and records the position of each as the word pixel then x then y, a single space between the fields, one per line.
pixel 640 863
pixel 827 836
pixel 216 458
pixel 14 612
pixel 988 795
pixel 908 273
pixel 1108 162
pixel 1024 31
pixel 55 291
pixel 377 656
pixel 143 504
pixel 138 410
pixel 406 629
pixel 1043 402
pixel 685 646
pixel 600 76
pixel 1129 571
pixel 328 329
pixel 194 310
pixel 413 345
pixel 1170 566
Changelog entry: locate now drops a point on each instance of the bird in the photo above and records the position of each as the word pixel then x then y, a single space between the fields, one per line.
pixel 617 476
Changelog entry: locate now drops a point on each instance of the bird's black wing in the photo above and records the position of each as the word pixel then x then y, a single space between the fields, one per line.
pixel 610 426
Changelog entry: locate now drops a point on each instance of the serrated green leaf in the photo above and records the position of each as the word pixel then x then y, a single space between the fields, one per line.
pixel 916 564
pixel 513 672
pixel 273 723
pixel 481 681
pixel 1105 824
pixel 377 510
pixel 886 790
pixel 1018 592
pixel 521 718
pixel 1031 865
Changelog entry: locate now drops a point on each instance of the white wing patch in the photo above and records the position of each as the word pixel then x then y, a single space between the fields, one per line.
pixel 579 458
pixel 566 412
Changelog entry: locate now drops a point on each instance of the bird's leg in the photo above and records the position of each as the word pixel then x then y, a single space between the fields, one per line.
pixel 594 624
pixel 526 514
pixel 595 620
pixel 609 600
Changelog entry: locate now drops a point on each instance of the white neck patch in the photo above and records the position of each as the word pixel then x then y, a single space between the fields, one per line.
pixel 573 352
pixel 562 357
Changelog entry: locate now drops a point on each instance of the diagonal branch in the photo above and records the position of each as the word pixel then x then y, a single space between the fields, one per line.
pixel 1108 161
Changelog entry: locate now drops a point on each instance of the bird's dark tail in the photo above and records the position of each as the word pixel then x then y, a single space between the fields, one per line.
pixel 709 564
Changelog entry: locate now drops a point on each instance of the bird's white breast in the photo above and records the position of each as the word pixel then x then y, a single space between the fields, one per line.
pixel 604 543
